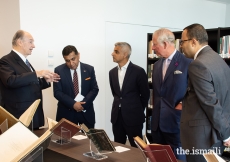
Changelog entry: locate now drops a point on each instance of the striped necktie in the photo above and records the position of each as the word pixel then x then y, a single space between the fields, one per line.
pixel 75 83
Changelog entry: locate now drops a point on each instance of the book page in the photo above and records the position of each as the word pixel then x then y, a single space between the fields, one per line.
pixel 33 145
pixel 146 139
pixel 140 142
pixel 28 115
pixel 51 123
pixel 14 141
pixel 213 157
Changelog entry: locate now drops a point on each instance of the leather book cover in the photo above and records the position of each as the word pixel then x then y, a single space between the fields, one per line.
pixel 145 149
pixel 65 125
pixel 156 152
pixel 99 139
pixel 162 152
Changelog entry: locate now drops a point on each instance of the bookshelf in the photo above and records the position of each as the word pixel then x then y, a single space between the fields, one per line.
pixel 214 36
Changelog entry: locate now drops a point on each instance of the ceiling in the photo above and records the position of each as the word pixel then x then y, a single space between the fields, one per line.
pixel 221 1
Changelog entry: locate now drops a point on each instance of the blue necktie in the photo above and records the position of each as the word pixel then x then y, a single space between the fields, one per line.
pixel 28 64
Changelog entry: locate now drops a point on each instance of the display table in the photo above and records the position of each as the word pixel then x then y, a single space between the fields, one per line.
pixel 76 148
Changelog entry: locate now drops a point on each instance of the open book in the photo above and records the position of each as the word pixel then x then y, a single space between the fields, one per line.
pixel 18 142
pixel 156 152
pixel 25 118
pixel 56 127
pixel 99 139
pixel 213 157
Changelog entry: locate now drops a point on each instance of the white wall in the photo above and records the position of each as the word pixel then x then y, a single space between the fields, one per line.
pixel 94 26
pixel 9 23
pixel 227 17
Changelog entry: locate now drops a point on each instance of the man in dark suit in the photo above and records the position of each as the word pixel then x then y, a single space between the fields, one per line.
pixel 169 80
pixel 205 121
pixel 20 84
pixel 130 89
pixel 75 106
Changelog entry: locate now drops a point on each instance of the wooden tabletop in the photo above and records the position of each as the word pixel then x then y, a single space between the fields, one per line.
pixel 76 148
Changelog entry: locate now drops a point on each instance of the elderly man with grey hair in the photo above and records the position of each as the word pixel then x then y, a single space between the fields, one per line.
pixel 20 83
pixel 169 83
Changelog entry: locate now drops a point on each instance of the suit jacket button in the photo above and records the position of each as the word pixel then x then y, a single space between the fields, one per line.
pixel 120 97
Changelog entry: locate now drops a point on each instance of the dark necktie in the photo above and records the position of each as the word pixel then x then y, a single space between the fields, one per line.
pixel 28 64
pixel 75 83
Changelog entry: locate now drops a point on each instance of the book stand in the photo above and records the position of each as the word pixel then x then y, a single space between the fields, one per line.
pixel 64 138
pixel 32 125
pixel 155 154
pixel 36 156
pixel 4 126
pixel 94 154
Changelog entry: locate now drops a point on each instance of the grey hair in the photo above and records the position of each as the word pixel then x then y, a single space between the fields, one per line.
pixel 18 35
pixel 164 35
pixel 125 46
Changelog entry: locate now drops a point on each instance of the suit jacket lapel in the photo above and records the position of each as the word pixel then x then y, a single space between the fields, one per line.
pixel 116 80
pixel 83 75
pixel 21 62
pixel 68 77
pixel 160 73
pixel 128 72
pixel 172 65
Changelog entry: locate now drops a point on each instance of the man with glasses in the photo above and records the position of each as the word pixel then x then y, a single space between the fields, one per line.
pixel 205 115
pixel 169 80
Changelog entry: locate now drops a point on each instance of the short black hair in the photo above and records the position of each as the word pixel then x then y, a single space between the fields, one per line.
pixel 68 49
pixel 198 32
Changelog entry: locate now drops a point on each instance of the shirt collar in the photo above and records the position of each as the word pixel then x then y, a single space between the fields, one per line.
pixel 20 55
pixel 78 69
pixel 195 56
pixel 171 56
pixel 125 66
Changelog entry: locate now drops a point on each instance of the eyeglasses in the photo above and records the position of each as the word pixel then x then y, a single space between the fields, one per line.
pixel 182 41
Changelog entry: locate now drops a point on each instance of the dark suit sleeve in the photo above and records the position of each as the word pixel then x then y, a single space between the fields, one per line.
pixel 110 82
pixel 43 83
pixel 201 79
pixel 59 94
pixel 143 88
pixel 91 93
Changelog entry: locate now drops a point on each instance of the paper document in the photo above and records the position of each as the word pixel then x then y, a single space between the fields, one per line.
pixel 79 97
pixel 120 149
pixel 79 137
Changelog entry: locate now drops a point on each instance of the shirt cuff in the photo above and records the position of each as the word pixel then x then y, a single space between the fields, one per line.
pixel 226 139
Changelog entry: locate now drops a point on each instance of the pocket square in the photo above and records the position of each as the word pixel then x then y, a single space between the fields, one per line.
pixel 87 78
pixel 177 72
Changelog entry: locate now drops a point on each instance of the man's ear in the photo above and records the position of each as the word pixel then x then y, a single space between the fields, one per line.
pixel 165 44
pixel 19 42
pixel 194 42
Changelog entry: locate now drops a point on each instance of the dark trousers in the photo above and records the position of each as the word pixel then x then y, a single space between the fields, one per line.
pixel 79 119
pixel 172 139
pixel 121 131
